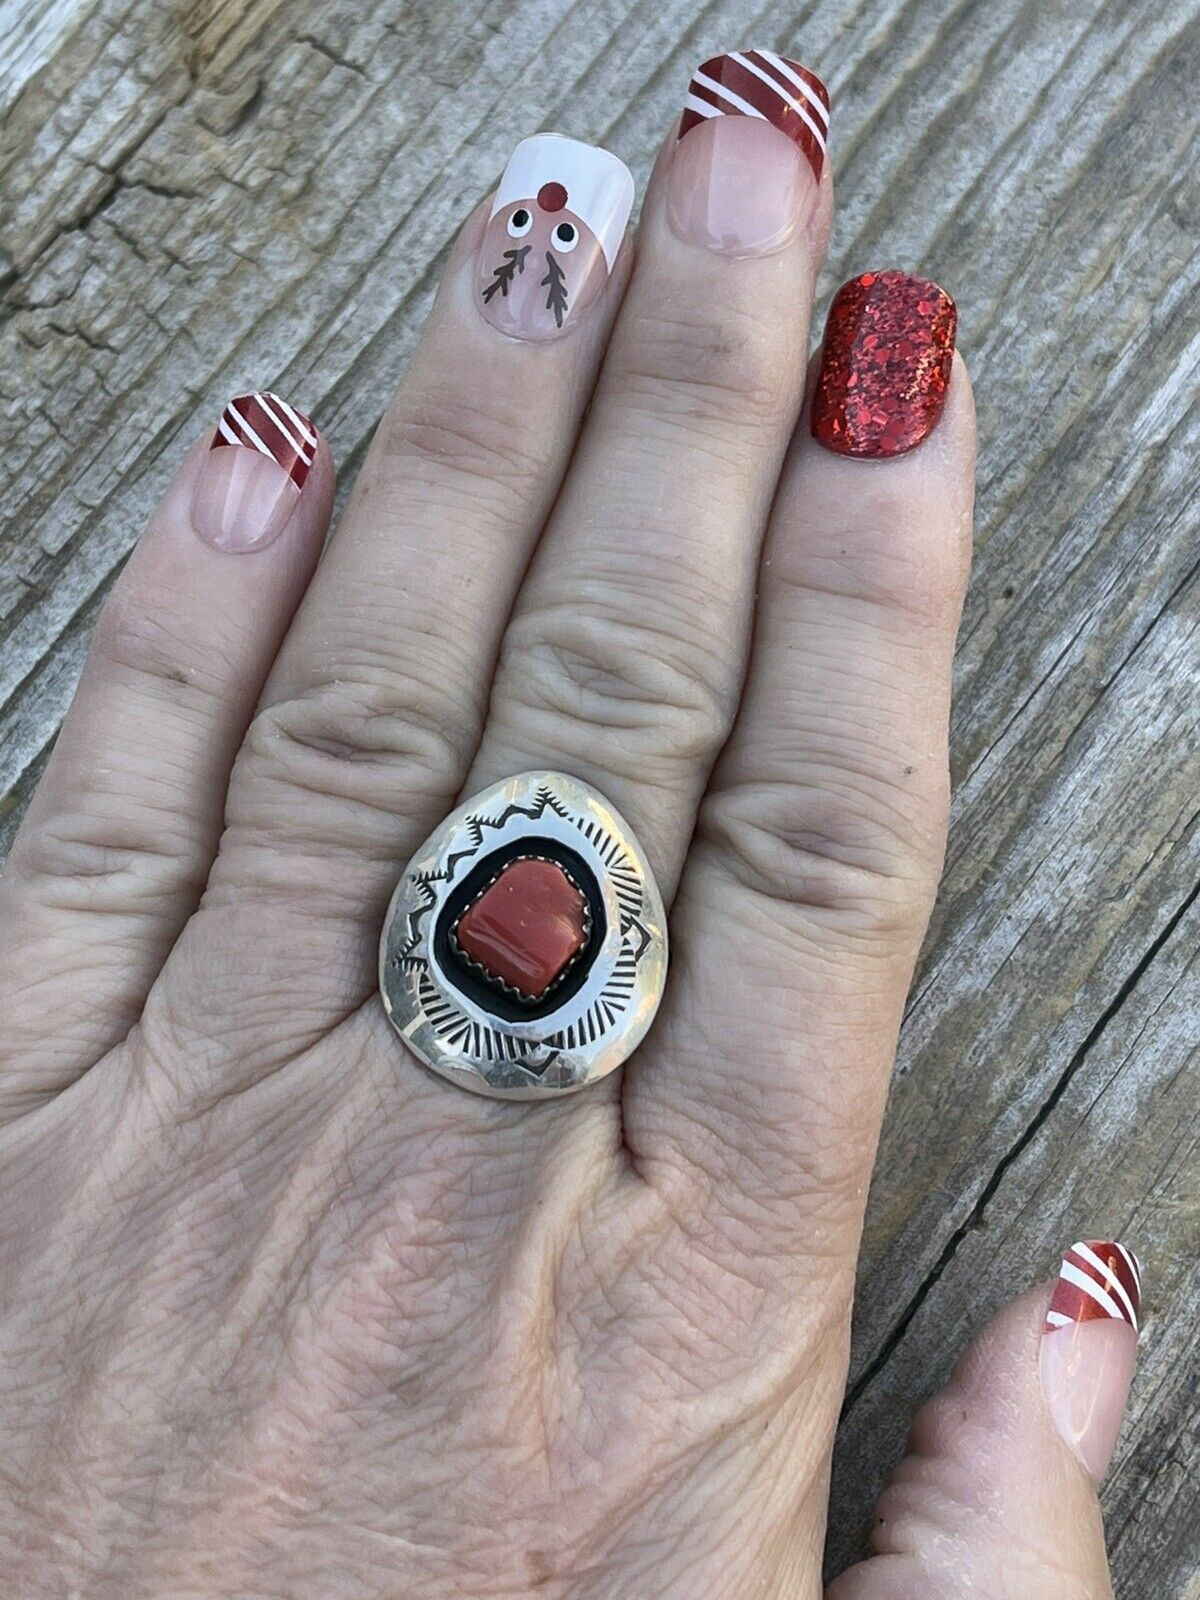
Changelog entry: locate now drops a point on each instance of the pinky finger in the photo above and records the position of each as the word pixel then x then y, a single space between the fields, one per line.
pixel 114 851
pixel 997 1494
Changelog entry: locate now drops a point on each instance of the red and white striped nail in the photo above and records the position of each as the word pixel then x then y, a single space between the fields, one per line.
pixel 1088 1347
pixel 261 453
pixel 735 184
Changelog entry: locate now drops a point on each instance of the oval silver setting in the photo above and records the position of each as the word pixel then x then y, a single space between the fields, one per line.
pixel 600 1021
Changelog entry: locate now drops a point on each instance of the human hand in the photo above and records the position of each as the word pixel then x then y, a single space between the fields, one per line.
pixel 283 1315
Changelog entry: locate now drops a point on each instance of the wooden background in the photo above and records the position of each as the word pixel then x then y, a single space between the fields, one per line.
pixel 200 198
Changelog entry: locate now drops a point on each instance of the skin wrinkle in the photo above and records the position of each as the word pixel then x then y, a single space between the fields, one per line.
pixel 328 747
pixel 675 374
pixel 578 692
pixel 664 643
pixel 868 906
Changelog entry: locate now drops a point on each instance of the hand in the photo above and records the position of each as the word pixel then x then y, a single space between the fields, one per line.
pixel 283 1314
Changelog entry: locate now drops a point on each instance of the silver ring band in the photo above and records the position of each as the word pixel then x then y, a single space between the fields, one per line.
pixel 525 949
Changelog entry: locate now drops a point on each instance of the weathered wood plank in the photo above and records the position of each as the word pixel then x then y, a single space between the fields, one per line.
pixel 261 193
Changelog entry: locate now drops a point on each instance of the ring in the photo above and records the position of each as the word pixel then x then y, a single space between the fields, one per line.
pixel 525 949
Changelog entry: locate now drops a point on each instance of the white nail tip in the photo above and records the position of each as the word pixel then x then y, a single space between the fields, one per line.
pixel 600 187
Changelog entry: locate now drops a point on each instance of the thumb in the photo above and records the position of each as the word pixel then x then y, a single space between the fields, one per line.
pixel 996 1496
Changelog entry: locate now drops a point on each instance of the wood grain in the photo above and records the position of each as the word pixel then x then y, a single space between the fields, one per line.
pixel 247 192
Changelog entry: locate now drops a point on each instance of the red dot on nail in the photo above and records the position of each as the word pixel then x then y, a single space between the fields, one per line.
pixel 552 197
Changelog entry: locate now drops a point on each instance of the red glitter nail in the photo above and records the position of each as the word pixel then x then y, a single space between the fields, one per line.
pixel 885 365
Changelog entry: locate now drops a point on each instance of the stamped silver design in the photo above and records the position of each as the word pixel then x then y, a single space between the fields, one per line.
pixel 596 1011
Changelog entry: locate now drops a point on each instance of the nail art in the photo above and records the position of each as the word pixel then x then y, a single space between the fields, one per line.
pixel 555 231
pixel 265 423
pixel 1097 1279
pixel 261 453
pixel 885 365
pixel 1088 1348
pixel 759 83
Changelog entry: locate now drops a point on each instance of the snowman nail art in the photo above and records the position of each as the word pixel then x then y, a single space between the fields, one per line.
pixel 556 228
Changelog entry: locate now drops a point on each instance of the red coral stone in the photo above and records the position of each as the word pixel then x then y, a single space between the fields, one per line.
pixel 526 926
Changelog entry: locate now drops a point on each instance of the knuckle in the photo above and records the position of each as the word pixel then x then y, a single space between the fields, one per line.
pixel 142 638
pixel 899 566
pixel 928 1516
pixel 380 744
pixel 580 671
pixel 106 854
pixel 679 365
pixel 453 436
pixel 859 853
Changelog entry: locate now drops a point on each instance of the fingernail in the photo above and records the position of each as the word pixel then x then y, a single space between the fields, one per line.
pixel 1088 1345
pixel 261 453
pixel 885 365
pixel 735 185
pixel 556 228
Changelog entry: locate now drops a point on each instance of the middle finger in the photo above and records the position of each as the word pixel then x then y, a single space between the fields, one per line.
pixel 623 661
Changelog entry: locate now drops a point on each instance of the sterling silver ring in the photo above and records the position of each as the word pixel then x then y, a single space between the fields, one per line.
pixel 525 949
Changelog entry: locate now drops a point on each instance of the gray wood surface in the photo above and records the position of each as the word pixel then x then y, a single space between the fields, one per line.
pixel 248 192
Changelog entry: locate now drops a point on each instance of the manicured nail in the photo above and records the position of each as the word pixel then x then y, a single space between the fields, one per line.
pixel 766 88
pixel 1088 1345
pixel 253 473
pixel 885 365
pixel 746 169
pixel 556 228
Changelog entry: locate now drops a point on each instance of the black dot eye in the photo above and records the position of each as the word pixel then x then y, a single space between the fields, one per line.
pixel 520 222
pixel 565 236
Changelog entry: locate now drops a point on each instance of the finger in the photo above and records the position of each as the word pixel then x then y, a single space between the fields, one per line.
pixel 997 1494
pixel 115 849
pixel 373 710
pixel 624 659
pixel 821 839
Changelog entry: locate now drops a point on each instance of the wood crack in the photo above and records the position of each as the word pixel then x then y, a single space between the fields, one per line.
pixel 114 182
pixel 330 54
